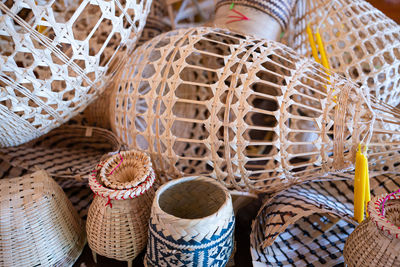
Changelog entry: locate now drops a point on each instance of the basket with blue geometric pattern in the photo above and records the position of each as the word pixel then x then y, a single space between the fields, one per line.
pixel 191 224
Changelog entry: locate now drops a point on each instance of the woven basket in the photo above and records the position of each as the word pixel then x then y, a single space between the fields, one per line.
pixel 117 222
pixel 263 19
pixel 191 224
pixel 56 57
pixel 376 241
pixel 38 224
pixel 361 42
pixel 68 151
pixel 248 112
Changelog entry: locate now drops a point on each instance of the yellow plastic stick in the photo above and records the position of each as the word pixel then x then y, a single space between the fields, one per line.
pixel 360 185
pixel 321 50
pixel 312 43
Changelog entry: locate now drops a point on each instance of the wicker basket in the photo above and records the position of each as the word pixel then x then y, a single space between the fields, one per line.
pixel 56 57
pixel 376 241
pixel 117 220
pixel 191 224
pixel 361 42
pixel 38 225
pixel 248 112
pixel 67 152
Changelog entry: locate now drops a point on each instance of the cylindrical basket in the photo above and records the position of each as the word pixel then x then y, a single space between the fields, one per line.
pixel 39 225
pixel 191 224
pixel 117 220
pixel 57 56
pixel 376 241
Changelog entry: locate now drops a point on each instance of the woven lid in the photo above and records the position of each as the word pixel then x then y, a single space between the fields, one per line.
pixel 126 170
pixel 389 222
pixel 68 151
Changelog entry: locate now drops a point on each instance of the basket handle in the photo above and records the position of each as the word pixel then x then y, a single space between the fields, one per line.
pixel 384 201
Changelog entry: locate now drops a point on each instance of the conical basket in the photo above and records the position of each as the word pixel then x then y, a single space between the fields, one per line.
pixel 191 224
pixel 38 225
pixel 376 241
pixel 117 220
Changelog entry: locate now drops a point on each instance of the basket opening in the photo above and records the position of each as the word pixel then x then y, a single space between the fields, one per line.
pixel 392 211
pixel 192 199
pixel 128 171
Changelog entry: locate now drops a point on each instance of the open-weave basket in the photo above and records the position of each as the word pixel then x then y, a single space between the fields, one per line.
pixel 117 220
pixel 68 151
pixel 56 57
pixel 191 224
pixel 361 42
pixel 39 225
pixel 376 241
pixel 248 112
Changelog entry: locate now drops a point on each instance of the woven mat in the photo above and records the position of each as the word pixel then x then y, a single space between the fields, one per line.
pixel 308 224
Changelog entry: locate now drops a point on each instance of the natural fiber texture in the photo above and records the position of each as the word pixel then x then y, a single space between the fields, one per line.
pixel 126 170
pixel 376 241
pixel 304 225
pixel 56 57
pixel 38 224
pixel 280 10
pixel 248 112
pixel 68 151
pixel 361 42
pixel 117 222
pixel 191 224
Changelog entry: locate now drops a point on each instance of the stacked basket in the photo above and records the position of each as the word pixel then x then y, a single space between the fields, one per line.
pixel 118 216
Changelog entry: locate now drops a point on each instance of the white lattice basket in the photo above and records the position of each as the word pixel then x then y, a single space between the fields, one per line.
pixel 56 57
pixel 361 42
pixel 248 112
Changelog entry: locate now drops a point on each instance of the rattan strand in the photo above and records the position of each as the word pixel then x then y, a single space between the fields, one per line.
pixel 39 225
pixel 248 112
pixel 57 56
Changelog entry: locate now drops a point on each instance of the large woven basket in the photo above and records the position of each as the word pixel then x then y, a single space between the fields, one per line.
pixel 117 220
pixel 38 225
pixel 56 57
pixel 67 152
pixel 191 224
pixel 246 111
pixel 361 42
pixel 376 241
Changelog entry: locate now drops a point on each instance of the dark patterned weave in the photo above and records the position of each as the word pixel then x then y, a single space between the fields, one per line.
pixel 308 224
pixel 280 10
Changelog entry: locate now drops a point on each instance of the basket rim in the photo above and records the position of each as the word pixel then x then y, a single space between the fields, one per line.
pixel 227 204
pixel 383 223
pixel 130 184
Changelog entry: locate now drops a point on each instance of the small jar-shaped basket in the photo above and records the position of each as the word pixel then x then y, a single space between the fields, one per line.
pixel 38 226
pixel 191 224
pixel 376 241
pixel 117 220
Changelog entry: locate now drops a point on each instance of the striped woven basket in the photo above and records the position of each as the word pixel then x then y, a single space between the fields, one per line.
pixel 39 225
pixel 191 224
pixel 67 152
pixel 376 241
pixel 117 220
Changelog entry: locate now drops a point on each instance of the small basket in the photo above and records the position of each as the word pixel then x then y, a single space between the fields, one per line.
pixel 39 225
pixel 66 152
pixel 126 170
pixel 376 241
pixel 117 220
pixel 191 224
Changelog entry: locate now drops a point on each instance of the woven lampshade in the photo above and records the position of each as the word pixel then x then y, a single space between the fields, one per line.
pixel 70 151
pixel 361 42
pixel 376 241
pixel 56 57
pixel 117 220
pixel 39 225
pixel 248 112
pixel 191 224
